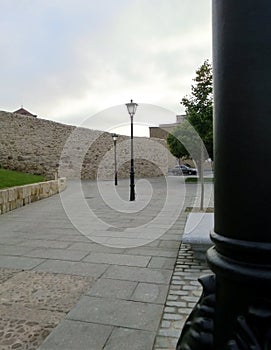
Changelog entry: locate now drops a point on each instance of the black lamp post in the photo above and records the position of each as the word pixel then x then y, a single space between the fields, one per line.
pixel 234 311
pixel 131 107
pixel 115 137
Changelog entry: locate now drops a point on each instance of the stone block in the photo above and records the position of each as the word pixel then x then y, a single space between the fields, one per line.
pixel 73 268
pixel 11 194
pixel 124 338
pixel 4 194
pixel 109 288
pixel 117 259
pixel 20 192
pixel 197 232
pixel 71 335
pixel 141 274
pixel 150 293
pixel 117 312
pixel 19 262
pixel 16 197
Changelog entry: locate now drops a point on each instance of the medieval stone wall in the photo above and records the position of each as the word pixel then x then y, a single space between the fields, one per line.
pixel 40 146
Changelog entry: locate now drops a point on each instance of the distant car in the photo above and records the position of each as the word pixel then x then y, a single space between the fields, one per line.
pixel 183 170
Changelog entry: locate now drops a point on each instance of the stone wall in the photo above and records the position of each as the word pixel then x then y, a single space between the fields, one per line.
pixel 15 197
pixel 40 146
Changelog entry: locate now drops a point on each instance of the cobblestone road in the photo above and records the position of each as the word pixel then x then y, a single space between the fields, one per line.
pixel 184 293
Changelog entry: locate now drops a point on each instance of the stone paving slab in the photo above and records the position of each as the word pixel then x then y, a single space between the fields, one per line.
pixel 91 246
pixel 140 274
pixel 117 259
pixel 125 338
pixel 14 250
pixel 40 243
pixel 76 335
pixel 169 244
pixel 171 237
pixel 73 268
pixel 148 251
pixel 117 312
pixel 108 288
pixel 150 293
pixel 162 263
pixel 19 262
pixel 59 254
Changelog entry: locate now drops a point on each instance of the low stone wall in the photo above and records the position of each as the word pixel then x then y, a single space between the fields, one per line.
pixel 15 197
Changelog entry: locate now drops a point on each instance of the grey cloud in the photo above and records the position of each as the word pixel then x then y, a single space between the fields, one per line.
pixel 88 56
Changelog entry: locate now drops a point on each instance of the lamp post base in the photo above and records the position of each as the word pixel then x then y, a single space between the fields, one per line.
pixel 197 333
pixel 233 312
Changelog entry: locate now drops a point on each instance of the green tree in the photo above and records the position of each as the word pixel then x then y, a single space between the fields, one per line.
pixel 177 149
pixel 194 137
pixel 184 141
pixel 199 106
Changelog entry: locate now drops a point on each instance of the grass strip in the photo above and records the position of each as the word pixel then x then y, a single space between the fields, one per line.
pixel 10 178
pixel 196 179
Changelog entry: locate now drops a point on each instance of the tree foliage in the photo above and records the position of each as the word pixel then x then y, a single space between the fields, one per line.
pixel 194 137
pixel 184 142
pixel 199 115
pixel 199 106
pixel 176 147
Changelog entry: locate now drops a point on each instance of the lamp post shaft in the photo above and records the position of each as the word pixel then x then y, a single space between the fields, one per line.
pixel 234 312
pixel 132 170
pixel 115 155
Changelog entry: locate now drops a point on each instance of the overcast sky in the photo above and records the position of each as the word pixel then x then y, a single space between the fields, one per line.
pixel 70 60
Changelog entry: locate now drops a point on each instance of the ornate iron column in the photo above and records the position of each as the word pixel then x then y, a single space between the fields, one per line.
pixel 234 311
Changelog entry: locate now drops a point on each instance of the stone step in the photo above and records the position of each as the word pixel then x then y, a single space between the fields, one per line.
pixel 197 232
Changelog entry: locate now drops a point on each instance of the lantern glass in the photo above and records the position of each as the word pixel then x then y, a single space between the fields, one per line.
pixel 114 136
pixel 131 107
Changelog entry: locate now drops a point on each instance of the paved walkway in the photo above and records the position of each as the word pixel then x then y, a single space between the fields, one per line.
pixel 95 271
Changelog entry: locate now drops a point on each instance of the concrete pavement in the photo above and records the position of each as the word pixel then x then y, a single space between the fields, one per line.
pixel 96 271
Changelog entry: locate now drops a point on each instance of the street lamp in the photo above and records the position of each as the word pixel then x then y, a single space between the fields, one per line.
pixel 234 310
pixel 115 137
pixel 131 107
